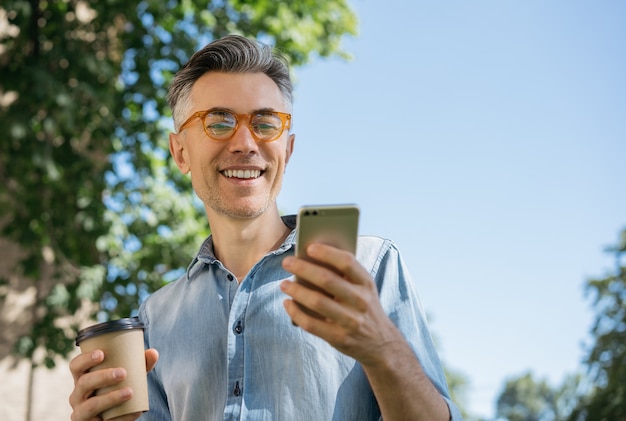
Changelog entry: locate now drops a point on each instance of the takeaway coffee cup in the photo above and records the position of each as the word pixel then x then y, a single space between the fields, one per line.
pixel 123 346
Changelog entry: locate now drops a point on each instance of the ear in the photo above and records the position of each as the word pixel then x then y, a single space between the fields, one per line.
pixel 179 152
pixel 289 148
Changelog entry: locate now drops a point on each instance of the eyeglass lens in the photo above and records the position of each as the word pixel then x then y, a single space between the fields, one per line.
pixel 221 124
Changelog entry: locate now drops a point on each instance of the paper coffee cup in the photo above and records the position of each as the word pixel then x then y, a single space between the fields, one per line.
pixel 123 346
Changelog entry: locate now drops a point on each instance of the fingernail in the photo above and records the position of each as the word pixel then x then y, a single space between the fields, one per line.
pixel 118 373
pixel 126 392
pixel 95 356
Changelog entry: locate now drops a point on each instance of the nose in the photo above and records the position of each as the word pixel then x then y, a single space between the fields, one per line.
pixel 242 141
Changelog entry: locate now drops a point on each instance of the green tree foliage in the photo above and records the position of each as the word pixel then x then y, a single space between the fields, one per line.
pixel 86 189
pixel 607 357
pixel 525 398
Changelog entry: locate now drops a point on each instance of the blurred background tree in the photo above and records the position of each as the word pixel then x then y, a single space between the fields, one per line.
pixel 606 361
pixel 525 398
pixel 93 213
pixel 600 393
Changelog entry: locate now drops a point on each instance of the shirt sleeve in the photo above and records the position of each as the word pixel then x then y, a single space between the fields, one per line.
pixel 399 298
pixel 159 409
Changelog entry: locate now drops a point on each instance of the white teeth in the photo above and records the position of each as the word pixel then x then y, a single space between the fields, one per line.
pixel 242 173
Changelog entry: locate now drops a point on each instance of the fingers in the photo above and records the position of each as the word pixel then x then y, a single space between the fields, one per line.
pixel 348 283
pixel 359 334
pixel 85 404
pixel 350 291
pixel 318 302
pixel 152 356
pixel 88 383
pixel 353 320
pixel 303 320
pixel 91 407
pixel 343 261
pixel 84 362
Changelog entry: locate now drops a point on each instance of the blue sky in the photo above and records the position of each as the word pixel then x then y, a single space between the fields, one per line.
pixel 488 140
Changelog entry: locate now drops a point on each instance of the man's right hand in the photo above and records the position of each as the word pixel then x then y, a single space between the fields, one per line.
pixel 85 404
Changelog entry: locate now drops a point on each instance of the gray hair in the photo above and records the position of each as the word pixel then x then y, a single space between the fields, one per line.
pixel 231 54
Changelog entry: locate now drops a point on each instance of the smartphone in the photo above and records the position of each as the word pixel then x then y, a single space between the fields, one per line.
pixel 334 225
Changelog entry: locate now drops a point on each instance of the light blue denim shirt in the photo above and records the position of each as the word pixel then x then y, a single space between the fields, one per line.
pixel 229 351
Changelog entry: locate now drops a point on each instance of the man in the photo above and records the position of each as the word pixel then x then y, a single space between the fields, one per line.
pixel 226 335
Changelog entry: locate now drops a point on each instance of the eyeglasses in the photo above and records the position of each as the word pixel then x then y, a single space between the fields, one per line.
pixel 221 125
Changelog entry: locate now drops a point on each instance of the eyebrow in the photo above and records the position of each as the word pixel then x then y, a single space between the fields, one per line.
pixel 256 111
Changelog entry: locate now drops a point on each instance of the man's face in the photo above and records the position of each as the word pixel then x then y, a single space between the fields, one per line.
pixel 240 177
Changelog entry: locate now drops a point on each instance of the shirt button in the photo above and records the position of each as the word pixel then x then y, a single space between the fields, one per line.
pixel 230 277
pixel 239 327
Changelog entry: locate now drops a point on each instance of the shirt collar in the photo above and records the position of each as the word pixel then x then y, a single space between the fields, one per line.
pixel 206 253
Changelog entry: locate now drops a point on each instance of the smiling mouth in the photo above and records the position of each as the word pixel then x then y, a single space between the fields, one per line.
pixel 243 174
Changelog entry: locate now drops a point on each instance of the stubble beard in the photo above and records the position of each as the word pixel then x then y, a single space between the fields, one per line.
pixel 246 208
